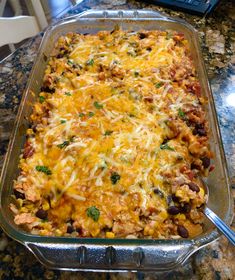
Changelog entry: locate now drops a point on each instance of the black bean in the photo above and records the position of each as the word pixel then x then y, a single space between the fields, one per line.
pixel 47 89
pixel 175 198
pixel 199 125
pixel 194 166
pixel 142 35
pixel 60 55
pixel 158 192
pixel 194 187
pixel 70 221
pixel 79 230
pixel 70 229
pixel 199 131
pixel 206 162
pixel 186 208
pixel 19 194
pixel 189 123
pixel 173 210
pixel 34 128
pixel 149 49
pixel 182 231
pixel 41 214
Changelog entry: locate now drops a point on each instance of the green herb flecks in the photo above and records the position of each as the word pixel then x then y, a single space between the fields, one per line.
pixel 81 115
pixel 158 85
pixel 181 113
pixel 90 62
pixel 41 99
pixel 98 105
pixel 136 73
pixel 70 62
pixel 93 213
pixel 64 144
pixel 91 114
pixel 108 132
pixel 166 147
pixel 115 177
pixel 44 169
pixel 68 93
pixel 62 121
pixel 168 36
pixel 71 139
pixel 132 53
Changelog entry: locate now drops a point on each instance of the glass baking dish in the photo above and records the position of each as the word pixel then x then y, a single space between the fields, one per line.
pixel 113 254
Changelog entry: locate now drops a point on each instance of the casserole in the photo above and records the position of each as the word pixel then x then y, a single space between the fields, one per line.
pixel 76 253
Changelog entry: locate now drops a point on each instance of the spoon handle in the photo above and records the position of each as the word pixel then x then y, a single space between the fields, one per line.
pixel 221 226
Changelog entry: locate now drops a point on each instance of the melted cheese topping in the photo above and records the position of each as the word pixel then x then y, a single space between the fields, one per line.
pixel 108 116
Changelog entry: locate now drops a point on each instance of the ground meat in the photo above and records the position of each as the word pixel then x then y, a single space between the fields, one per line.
pixel 28 150
pixel 30 193
pixel 24 218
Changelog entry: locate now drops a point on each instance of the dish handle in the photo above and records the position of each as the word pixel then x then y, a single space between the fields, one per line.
pixel 128 14
pixel 74 256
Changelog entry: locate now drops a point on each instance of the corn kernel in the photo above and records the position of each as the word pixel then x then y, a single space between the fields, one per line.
pixel 182 194
pixel 146 230
pixel 19 202
pixel 180 217
pixel 30 131
pixel 58 232
pixel 95 232
pixel 163 215
pixel 201 192
pixel 53 203
pixel 48 70
pixel 45 206
pixel 110 234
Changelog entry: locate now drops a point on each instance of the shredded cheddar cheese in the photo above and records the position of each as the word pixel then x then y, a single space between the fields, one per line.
pixel 119 138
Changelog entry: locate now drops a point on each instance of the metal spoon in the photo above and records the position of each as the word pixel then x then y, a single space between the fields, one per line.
pixel 219 223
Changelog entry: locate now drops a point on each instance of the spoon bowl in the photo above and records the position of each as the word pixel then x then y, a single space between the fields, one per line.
pixel 216 220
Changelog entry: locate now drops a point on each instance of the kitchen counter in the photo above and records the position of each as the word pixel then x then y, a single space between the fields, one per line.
pixel 218 46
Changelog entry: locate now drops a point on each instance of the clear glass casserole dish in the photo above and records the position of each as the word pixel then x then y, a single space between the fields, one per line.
pixel 113 254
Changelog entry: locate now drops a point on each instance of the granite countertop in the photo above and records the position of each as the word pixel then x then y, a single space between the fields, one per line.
pixel 217 36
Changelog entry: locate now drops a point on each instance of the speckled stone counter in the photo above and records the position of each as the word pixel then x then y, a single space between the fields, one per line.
pixel 217 35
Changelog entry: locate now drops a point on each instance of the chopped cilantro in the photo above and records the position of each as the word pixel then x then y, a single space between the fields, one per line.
pixel 90 62
pixel 181 113
pixel 71 139
pixel 136 73
pixel 108 132
pixel 41 99
pixel 115 177
pixel 91 114
pixel 168 36
pixel 62 121
pixel 103 165
pixel 44 169
pixel 132 53
pixel 70 62
pixel 166 147
pixel 158 85
pixel 64 144
pixel 93 213
pixel 68 93
pixel 98 105
pixel 81 115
